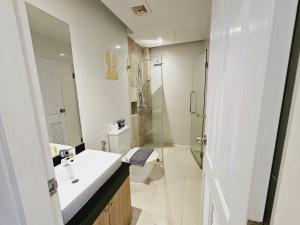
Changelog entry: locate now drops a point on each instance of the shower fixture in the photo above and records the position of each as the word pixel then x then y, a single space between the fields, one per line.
pixel 157 64
pixel 144 85
pixel 142 106
pixel 144 109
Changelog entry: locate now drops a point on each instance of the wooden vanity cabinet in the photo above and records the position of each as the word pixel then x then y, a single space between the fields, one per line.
pixel 118 210
pixel 103 219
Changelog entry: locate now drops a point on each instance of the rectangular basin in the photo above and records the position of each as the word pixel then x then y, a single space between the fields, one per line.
pixel 93 168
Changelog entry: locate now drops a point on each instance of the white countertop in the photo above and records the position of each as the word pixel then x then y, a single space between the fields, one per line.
pixel 93 168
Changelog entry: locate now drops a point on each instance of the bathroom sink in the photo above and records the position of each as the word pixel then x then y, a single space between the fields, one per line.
pixel 93 168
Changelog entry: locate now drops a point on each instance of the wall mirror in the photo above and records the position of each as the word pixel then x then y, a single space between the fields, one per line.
pixel 53 54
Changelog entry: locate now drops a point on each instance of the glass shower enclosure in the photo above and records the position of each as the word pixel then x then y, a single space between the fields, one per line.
pixel 197 106
pixel 157 93
pixel 146 100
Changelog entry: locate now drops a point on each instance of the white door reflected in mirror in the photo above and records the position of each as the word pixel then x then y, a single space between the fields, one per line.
pixel 53 53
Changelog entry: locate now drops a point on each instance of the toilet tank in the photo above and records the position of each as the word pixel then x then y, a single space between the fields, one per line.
pixel 119 141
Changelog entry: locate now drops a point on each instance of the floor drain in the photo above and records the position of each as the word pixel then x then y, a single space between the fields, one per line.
pixel 75 181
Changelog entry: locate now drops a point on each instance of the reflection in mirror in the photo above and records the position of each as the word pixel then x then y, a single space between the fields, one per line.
pixel 53 54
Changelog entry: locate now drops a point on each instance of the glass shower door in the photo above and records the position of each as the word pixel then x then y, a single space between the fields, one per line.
pixel 197 105
pixel 157 105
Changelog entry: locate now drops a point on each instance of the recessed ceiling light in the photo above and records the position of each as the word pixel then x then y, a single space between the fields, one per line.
pixel 118 46
pixel 61 54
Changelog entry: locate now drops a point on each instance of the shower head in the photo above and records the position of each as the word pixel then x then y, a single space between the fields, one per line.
pixel 157 64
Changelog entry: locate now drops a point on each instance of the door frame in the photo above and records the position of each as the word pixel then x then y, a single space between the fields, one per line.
pixel 284 120
pixel 24 146
pixel 203 116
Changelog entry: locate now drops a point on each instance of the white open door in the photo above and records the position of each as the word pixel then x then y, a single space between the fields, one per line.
pixel 243 55
pixel 25 158
pixel 51 89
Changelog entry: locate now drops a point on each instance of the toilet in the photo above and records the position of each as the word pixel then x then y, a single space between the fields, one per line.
pixel 119 142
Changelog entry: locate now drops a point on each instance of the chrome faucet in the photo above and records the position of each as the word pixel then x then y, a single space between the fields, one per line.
pixel 67 158
pixel 65 152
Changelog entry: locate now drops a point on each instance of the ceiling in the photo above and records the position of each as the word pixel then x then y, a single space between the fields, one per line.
pixel 169 22
pixel 43 23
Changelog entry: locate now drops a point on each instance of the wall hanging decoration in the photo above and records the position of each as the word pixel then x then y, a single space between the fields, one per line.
pixel 111 61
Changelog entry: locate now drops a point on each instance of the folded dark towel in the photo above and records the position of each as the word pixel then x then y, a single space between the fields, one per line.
pixel 140 157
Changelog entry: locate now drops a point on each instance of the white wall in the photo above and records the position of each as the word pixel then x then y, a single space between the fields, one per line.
pixel 287 201
pixel 51 48
pixel 94 28
pixel 178 68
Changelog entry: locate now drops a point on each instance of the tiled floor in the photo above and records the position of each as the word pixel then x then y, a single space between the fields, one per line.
pixel 173 196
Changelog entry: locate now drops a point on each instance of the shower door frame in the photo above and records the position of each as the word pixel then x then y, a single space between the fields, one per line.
pixel 162 108
pixel 201 139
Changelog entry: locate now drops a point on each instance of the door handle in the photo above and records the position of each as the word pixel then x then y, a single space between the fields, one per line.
pixel 191 95
pixel 202 140
pixel 62 110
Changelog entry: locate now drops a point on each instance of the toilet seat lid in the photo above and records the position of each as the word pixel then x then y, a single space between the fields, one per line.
pixel 152 157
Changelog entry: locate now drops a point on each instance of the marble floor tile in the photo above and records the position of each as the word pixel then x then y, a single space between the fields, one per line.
pixel 159 219
pixel 173 194
pixel 141 195
pixel 191 214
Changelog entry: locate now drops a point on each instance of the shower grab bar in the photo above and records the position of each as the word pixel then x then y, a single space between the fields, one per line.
pixel 195 107
pixel 191 95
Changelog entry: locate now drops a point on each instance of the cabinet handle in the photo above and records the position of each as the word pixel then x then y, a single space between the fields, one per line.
pixel 109 205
